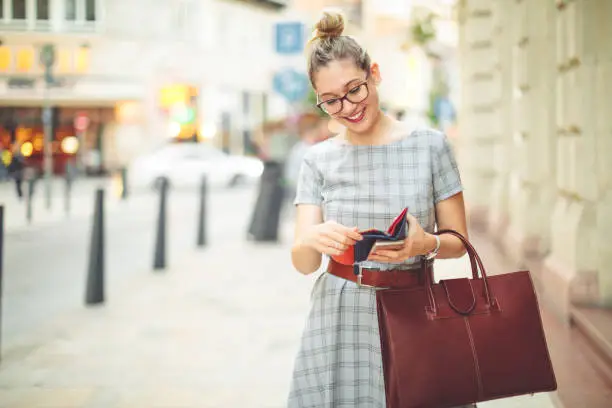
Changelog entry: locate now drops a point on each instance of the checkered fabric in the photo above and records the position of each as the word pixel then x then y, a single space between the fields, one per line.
pixel 339 363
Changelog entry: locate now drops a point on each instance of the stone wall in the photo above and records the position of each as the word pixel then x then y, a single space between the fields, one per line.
pixel 536 139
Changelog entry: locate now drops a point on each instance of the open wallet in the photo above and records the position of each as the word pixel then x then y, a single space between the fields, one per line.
pixel 359 252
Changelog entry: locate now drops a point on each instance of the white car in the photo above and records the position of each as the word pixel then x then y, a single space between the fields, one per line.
pixel 184 164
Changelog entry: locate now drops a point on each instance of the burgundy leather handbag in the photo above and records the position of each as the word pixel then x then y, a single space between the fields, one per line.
pixel 462 341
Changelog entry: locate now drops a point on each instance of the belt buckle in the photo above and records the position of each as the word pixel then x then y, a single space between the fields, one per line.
pixel 360 277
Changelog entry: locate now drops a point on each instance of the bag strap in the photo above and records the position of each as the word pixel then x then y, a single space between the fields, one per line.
pixel 476 264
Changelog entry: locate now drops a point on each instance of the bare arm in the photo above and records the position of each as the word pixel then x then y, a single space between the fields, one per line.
pixel 314 237
pixel 450 214
pixel 304 258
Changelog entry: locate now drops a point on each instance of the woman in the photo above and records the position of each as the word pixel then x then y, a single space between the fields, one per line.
pixel 358 180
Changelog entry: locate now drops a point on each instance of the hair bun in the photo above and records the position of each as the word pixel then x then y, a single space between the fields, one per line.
pixel 330 25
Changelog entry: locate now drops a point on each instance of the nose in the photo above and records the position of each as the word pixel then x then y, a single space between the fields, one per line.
pixel 348 107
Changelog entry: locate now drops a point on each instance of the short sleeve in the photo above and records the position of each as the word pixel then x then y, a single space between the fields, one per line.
pixel 309 184
pixel 445 173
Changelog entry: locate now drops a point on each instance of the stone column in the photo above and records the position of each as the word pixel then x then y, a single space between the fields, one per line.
pixel 570 271
pixel 478 125
pixel 503 157
pixel 531 181
pixel 601 32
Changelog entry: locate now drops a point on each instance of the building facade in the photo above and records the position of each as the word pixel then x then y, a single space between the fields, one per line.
pixel 536 139
pixel 141 71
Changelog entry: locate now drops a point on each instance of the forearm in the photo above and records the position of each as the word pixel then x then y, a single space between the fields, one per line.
pixel 305 259
pixel 450 246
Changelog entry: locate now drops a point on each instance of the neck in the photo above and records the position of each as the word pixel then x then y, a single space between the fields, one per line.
pixel 377 134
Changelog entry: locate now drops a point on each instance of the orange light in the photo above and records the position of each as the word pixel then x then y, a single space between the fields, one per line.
pixel 27 149
pixel 173 94
pixel 5 59
pixel 126 112
pixel 82 60
pixel 25 59
pixel 64 61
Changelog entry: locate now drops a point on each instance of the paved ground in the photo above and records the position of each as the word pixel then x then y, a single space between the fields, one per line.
pixel 219 328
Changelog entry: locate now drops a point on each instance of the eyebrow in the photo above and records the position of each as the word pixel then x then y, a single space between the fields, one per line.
pixel 345 86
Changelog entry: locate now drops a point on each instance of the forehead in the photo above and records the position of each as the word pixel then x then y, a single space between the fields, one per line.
pixel 333 77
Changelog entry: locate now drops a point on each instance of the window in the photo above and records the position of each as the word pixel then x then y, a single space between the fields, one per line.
pixel 19 9
pixel 42 9
pixel 80 10
pixel 71 10
pixel 90 10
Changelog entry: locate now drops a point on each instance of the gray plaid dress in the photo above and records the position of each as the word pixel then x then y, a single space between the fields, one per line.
pixel 339 363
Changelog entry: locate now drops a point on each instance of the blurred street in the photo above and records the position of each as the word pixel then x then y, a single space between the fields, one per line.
pixel 219 328
pixel 223 89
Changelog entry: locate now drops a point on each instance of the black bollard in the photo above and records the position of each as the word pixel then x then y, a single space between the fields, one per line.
pixel 1 263
pixel 202 216
pixel 159 261
pixel 95 274
pixel 124 183
pixel 29 200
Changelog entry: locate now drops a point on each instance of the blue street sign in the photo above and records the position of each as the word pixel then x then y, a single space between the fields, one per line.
pixel 289 38
pixel 291 84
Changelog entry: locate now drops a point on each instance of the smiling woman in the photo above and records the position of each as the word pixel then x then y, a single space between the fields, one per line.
pixel 360 180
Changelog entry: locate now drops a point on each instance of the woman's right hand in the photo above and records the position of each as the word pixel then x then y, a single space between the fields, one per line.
pixel 331 238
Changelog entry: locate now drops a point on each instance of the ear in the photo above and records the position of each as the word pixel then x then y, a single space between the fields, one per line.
pixel 375 73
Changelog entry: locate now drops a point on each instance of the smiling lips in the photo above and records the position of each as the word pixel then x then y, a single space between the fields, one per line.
pixel 356 118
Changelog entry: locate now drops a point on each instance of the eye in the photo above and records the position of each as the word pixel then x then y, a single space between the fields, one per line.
pixel 331 102
pixel 356 89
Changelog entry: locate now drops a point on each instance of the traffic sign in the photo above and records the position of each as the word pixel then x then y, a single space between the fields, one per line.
pixel 81 122
pixel 289 38
pixel 291 84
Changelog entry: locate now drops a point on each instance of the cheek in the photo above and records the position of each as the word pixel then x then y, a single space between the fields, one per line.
pixel 372 99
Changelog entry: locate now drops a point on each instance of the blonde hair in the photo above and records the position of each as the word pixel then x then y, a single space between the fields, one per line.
pixel 328 44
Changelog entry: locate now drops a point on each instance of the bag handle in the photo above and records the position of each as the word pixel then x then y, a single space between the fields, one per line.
pixel 476 263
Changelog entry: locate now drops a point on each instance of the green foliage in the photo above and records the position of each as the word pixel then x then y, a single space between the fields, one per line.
pixel 422 29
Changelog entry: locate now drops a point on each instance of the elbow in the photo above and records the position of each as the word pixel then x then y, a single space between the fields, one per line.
pixel 462 251
pixel 304 264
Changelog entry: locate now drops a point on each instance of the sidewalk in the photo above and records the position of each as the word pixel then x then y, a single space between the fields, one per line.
pixel 203 334
pixel 81 202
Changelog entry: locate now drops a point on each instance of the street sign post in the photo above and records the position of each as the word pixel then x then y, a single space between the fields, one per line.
pixel 81 123
pixel 47 59
pixel 291 84
pixel 289 38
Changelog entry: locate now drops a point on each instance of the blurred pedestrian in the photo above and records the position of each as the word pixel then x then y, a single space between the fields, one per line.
pixel 361 179
pixel 16 169
pixel 273 141
pixel 309 134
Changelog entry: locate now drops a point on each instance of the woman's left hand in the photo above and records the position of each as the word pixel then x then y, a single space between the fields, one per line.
pixel 418 242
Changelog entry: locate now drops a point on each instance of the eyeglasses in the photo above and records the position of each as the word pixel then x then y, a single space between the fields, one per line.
pixel 355 95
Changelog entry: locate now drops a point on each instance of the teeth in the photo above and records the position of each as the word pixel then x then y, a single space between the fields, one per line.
pixel 355 116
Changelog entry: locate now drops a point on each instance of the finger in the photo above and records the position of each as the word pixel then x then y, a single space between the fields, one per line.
pixel 349 232
pixel 328 242
pixel 338 237
pixel 378 258
pixel 327 250
pixel 395 255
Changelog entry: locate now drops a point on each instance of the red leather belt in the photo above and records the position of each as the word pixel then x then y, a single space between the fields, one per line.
pixel 383 279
